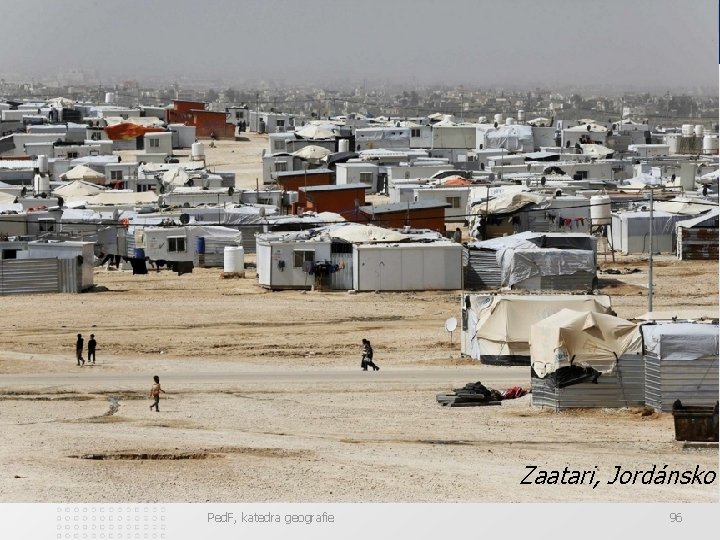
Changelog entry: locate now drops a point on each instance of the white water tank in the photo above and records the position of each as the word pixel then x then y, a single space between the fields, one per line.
pixel 710 144
pixel 688 170
pixel 498 118
pixel 699 130
pixel 109 98
pixel 343 145
pixel 41 184
pixel 197 151
pixel 600 212
pixel 234 260
pixel 509 121
pixel 42 164
pixel 688 130
pixel 521 116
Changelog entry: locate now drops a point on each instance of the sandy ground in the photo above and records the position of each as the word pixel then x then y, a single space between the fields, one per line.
pixel 266 395
pixel 266 401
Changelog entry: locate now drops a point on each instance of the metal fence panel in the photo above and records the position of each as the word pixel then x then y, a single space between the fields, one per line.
pixel 28 276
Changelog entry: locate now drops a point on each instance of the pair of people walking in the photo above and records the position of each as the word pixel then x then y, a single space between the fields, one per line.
pixel 367 356
pixel 79 346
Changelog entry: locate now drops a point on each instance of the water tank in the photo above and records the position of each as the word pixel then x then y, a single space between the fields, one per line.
pixel 482 120
pixel 699 130
pixel 509 121
pixel 688 170
pixel 710 144
pixel 200 245
pixel 234 260
pixel 41 184
pixel 687 130
pixel 521 116
pixel 343 145
pixel 42 164
pixel 197 151
pixel 498 118
pixel 109 98
pixel 600 212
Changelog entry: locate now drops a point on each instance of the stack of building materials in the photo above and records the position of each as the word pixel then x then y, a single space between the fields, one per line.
pixel 697 238
pixel 471 395
pixel 681 362
pixel 586 359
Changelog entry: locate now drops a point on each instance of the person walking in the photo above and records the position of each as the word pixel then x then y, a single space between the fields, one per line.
pixel 79 350
pixel 155 393
pixel 91 349
pixel 367 357
pixel 457 236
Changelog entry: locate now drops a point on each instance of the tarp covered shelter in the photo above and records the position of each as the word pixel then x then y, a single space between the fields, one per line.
pixel 681 362
pixel 498 327
pixel 579 338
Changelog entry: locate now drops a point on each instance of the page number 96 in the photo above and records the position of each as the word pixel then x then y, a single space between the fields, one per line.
pixel 675 517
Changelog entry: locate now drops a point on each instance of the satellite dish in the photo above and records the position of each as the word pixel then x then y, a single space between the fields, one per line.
pixel 451 324
pixel 184 219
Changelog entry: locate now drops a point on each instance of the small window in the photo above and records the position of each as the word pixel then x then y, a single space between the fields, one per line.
pixel 454 202
pixel 281 166
pixel 176 244
pixel 366 177
pixel 116 175
pixel 154 143
pixel 280 123
pixel 72 155
pixel 279 145
pixel 46 225
pixel 415 133
pixel 301 257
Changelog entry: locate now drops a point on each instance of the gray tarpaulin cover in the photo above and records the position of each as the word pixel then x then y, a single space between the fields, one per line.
pixel 680 341
pixel 517 265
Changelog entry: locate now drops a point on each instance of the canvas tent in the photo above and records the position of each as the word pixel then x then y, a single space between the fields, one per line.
pixel 496 329
pixel 77 188
pixel 579 338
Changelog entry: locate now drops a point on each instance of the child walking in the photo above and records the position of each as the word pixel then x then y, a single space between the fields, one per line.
pixel 155 393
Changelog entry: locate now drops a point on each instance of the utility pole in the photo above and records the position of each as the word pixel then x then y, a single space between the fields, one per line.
pixel 650 259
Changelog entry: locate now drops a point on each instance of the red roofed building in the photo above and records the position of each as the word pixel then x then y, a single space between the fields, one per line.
pixel 344 200
pixel 207 123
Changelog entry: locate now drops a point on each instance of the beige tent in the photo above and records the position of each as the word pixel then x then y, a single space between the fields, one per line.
pixel 596 150
pixel 122 197
pixel 579 338
pixel 367 233
pixel 83 172
pixel 77 188
pixel 498 326
pixel 7 197
pixel 506 203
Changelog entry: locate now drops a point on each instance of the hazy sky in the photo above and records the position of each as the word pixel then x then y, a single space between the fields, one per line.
pixel 544 42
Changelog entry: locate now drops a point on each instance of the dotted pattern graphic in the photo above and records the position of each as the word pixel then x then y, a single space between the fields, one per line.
pixel 117 522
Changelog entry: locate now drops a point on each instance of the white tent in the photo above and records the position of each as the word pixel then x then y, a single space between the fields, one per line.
pixel 82 172
pixel 312 153
pixel 77 188
pixel 579 338
pixel 313 131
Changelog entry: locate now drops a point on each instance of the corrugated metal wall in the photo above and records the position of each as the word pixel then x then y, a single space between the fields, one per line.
pixel 694 382
pixel 342 280
pixel 482 270
pixel 29 276
pixel 248 237
pixel 624 388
